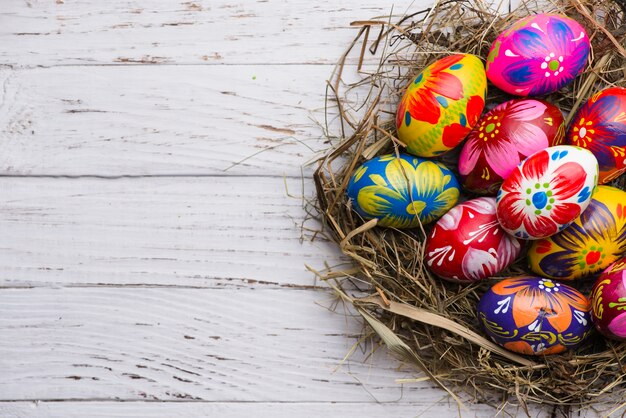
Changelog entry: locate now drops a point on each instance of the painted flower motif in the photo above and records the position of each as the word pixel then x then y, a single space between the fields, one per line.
pixel 600 126
pixel 478 264
pixel 541 201
pixel 588 245
pixel 618 325
pixel 559 303
pixel 432 87
pixel 411 190
pixel 548 56
pixel 501 145
pixel 454 133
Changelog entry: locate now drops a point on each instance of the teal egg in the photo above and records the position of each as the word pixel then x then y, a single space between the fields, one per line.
pixel 402 191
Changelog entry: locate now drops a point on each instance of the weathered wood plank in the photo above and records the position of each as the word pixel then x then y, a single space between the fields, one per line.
pixel 177 231
pixel 46 33
pixel 417 408
pixel 161 120
pixel 188 344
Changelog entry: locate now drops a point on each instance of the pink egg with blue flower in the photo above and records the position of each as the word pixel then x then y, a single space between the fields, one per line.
pixel 538 55
pixel 547 192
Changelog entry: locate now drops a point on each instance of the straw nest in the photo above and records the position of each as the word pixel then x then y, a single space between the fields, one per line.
pixel 426 321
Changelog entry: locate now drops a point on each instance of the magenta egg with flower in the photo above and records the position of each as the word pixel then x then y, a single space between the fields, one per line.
pixel 600 126
pixel 608 301
pixel 547 192
pixel 538 55
pixel 505 136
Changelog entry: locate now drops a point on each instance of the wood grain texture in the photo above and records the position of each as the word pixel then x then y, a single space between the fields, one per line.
pixel 187 344
pixel 161 120
pixel 47 33
pixel 172 231
pixel 416 409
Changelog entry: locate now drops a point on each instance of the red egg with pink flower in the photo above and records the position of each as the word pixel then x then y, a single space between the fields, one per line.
pixel 505 136
pixel 608 301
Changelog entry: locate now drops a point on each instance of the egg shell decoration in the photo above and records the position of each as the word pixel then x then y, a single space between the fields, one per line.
pixel 595 240
pixel 505 136
pixel 533 315
pixel 468 244
pixel 441 105
pixel 600 126
pixel 538 55
pixel 608 301
pixel 547 192
pixel 402 192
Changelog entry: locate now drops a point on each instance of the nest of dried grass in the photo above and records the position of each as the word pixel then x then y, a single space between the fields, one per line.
pixel 430 323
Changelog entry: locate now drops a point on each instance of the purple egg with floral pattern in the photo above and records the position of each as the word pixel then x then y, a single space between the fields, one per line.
pixel 547 192
pixel 600 126
pixel 505 136
pixel 608 301
pixel 534 315
pixel 538 55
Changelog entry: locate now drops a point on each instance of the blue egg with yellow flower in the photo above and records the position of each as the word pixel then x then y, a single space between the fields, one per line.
pixel 402 191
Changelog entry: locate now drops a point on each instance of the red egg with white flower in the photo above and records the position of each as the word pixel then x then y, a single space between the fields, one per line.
pixel 547 192
pixel 467 244
pixel 505 136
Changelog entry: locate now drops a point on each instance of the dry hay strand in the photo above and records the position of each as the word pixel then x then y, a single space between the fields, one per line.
pixel 426 321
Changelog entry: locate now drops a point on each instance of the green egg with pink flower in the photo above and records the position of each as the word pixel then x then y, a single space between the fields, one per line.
pixel 503 138
pixel 538 55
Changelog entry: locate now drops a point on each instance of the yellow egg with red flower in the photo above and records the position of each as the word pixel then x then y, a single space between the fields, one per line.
pixel 441 105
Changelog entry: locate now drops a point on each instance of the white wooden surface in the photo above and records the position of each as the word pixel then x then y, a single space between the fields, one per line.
pixel 151 260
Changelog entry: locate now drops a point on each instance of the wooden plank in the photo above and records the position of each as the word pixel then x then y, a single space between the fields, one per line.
pixel 188 344
pixel 173 231
pixel 161 120
pixel 417 408
pixel 47 33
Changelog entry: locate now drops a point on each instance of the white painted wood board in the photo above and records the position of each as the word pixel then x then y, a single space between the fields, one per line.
pixel 159 231
pixel 47 33
pixel 226 345
pixel 162 120
pixel 418 409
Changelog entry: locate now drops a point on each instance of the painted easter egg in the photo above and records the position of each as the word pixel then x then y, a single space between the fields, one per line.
pixel 538 55
pixel 505 136
pixel 441 105
pixel 533 315
pixel 595 240
pixel 547 192
pixel 468 244
pixel 600 126
pixel 608 301
pixel 402 192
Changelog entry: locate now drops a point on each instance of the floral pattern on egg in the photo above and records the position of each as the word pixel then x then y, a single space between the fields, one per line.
pixel 547 192
pixel 402 191
pixel 534 315
pixel 503 137
pixel 600 126
pixel 538 55
pixel 595 240
pixel 608 301
pixel 467 244
pixel 441 105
